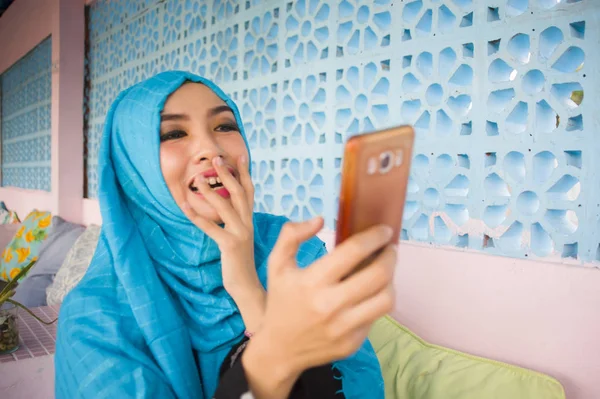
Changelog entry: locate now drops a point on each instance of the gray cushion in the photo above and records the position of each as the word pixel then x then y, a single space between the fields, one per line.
pixel 32 291
pixel 61 238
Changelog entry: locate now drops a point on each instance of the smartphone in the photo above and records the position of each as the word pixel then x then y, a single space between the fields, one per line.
pixel 375 172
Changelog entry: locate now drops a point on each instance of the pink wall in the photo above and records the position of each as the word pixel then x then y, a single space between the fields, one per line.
pixel 24 25
pixel 68 53
pixel 28 20
pixel 91 212
pixel 23 201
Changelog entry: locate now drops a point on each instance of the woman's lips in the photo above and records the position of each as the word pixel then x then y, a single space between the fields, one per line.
pixel 222 191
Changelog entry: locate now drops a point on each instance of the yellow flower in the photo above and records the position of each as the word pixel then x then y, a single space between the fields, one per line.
pixel 23 254
pixel 29 237
pixel 7 255
pixel 45 222
pixel 14 272
pixel 20 232
pixel 4 276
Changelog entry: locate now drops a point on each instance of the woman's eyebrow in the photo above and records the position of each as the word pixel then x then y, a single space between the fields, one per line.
pixel 217 110
pixel 173 117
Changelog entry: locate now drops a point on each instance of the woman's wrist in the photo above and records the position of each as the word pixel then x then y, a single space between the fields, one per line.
pixel 250 300
pixel 269 371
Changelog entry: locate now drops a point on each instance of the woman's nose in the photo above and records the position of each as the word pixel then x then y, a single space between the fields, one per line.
pixel 206 150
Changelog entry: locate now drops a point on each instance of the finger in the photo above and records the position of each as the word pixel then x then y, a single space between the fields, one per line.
pixel 207 226
pixel 367 282
pixel 238 195
pixel 345 257
pixel 246 181
pixel 354 340
pixel 223 207
pixel 290 238
pixel 368 311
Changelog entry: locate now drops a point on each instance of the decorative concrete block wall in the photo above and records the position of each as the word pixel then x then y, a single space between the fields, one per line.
pixel 26 97
pixel 501 93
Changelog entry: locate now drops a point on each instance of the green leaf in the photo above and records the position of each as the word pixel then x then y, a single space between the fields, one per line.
pixel 11 284
pixel 30 312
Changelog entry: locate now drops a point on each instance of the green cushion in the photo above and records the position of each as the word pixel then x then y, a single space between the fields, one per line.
pixel 414 369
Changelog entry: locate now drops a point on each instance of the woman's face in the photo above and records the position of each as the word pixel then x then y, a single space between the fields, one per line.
pixel 196 127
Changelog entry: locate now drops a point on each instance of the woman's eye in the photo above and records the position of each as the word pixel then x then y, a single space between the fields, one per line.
pixel 228 127
pixel 172 135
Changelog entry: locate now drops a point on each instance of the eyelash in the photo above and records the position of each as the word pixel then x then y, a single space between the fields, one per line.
pixel 177 134
pixel 174 134
pixel 227 127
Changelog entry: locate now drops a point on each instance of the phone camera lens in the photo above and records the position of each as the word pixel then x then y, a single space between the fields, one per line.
pixel 385 162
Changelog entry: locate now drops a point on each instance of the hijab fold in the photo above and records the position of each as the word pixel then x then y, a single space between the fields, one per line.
pixel 151 317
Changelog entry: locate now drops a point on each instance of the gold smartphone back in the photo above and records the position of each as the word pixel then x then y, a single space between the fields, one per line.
pixel 375 174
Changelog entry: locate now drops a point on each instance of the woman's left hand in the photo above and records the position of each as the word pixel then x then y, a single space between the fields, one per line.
pixel 235 239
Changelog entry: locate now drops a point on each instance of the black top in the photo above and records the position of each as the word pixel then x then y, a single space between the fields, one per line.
pixel 319 382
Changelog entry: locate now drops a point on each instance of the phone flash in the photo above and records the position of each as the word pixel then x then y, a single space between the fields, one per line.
pixel 399 156
pixel 372 167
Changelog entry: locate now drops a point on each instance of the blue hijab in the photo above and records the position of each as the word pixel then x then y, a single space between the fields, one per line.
pixel 151 317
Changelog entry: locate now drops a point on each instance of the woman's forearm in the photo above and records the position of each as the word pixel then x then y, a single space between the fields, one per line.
pixel 250 300
pixel 267 371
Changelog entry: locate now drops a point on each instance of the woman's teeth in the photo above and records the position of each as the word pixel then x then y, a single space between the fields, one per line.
pixel 213 182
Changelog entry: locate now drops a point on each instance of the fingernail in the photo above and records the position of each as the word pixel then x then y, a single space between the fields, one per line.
pixel 218 161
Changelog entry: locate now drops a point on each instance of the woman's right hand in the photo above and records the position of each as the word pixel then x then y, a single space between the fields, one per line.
pixel 322 313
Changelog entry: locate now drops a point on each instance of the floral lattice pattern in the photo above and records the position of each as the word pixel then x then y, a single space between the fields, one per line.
pixel 362 98
pixel 260 43
pixel 436 208
pixel 498 90
pixel 532 202
pixel 363 25
pixel 307 31
pixel 436 91
pixel 304 111
pixel 258 112
pixel 303 186
pixel 541 67
pixel 263 177
pixel 223 61
pixel 430 17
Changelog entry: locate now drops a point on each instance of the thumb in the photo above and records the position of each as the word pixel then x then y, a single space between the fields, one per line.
pixel 291 237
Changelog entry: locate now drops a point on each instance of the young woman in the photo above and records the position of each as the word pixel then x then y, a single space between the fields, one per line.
pixel 174 301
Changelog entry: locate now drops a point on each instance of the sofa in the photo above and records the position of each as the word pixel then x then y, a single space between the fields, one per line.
pixel 63 251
